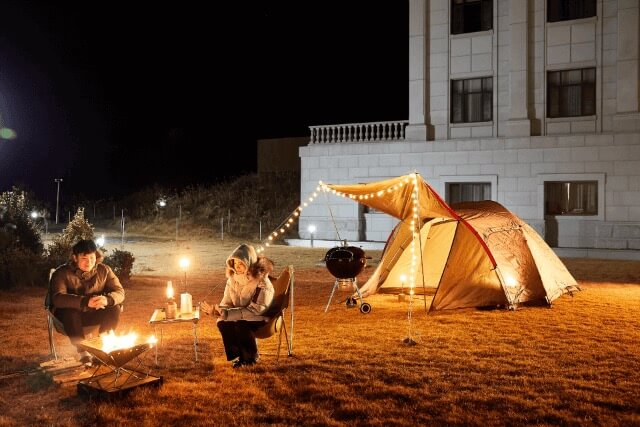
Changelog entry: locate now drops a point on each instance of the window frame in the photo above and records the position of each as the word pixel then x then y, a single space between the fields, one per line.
pixel 576 207
pixel 599 177
pixel 486 186
pixel 446 180
pixel 485 93
pixel 589 9
pixel 557 91
pixel 458 15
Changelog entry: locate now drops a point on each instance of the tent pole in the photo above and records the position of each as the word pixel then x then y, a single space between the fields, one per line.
pixel 424 290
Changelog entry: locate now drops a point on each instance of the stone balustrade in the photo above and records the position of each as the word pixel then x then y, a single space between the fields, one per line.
pixel 358 132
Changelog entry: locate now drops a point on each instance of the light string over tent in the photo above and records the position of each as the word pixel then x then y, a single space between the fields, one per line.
pixel 286 224
pixel 415 225
pixel 289 221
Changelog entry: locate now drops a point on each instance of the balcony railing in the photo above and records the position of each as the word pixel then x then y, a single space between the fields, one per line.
pixel 358 132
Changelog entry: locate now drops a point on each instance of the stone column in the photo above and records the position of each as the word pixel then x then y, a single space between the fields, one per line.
pixel 627 93
pixel 519 123
pixel 417 128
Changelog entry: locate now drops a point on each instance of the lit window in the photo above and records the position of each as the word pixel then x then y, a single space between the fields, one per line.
pixel 565 10
pixel 472 100
pixel 571 198
pixel 468 191
pixel 469 16
pixel 571 93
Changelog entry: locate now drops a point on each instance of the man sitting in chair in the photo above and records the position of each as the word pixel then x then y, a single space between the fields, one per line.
pixel 85 292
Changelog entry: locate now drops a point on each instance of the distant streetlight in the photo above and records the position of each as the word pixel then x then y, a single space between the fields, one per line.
pixel 58 181
pixel 35 215
pixel 311 229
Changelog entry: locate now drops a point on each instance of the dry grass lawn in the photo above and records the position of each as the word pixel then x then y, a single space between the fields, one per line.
pixel 577 363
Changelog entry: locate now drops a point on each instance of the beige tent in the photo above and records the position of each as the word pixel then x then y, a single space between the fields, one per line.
pixel 473 254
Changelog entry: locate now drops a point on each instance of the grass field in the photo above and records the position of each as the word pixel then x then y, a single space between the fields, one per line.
pixel 577 363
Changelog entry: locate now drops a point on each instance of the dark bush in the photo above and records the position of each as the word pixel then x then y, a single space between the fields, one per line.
pixel 121 262
pixel 20 267
pixel 78 229
pixel 16 227
pixel 21 248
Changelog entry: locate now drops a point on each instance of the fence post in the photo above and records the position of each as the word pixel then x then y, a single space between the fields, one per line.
pixel 122 228
pixel 178 218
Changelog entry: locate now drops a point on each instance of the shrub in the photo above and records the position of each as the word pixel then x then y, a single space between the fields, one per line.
pixel 16 228
pixel 78 229
pixel 20 245
pixel 20 267
pixel 121 262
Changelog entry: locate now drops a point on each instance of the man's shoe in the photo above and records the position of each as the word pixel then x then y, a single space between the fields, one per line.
pixel 84 357
pixel 236 364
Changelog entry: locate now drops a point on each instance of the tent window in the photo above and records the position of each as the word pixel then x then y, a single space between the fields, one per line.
pixel 469 16
pixel 565 10
pixel 571 93
pixel 468 191
pixel 571 198
pixel 472 100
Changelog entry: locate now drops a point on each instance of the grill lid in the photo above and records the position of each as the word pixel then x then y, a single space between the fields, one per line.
pixel 345 262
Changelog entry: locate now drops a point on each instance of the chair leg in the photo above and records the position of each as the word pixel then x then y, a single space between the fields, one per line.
pixel 279 342
pixel 286 335
pixel 52 343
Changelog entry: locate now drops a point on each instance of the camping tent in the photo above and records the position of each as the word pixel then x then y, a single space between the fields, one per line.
pixel 473 254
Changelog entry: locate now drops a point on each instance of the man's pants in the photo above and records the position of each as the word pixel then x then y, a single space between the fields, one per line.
pixel 74 320
pixel 238 339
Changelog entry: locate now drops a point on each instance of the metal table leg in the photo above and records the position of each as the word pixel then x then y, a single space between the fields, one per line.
pixel 195 339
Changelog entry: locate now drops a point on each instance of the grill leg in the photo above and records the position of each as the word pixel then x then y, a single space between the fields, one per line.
pixel 335 285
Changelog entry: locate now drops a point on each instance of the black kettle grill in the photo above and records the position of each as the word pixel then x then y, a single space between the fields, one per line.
pixel 345 263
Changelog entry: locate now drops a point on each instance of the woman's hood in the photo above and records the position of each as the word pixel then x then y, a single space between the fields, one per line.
pixel 245 253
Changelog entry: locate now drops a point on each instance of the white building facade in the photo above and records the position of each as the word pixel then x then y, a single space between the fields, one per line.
pixel 534 104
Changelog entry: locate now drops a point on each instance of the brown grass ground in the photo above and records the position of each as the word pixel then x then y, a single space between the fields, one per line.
pixel 577 363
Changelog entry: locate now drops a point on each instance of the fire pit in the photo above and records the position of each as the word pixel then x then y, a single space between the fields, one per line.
pixel 114 353
pixel 345 263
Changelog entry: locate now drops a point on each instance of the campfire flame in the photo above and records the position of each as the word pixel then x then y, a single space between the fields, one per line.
pixel 111 341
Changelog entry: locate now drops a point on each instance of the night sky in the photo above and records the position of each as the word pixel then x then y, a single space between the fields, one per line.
pixel 113 96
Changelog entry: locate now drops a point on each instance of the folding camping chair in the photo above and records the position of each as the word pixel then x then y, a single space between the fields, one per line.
pixel 54 324
pixel 282 298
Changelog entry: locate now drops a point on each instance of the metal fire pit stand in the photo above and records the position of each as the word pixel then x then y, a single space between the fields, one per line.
pixel 117 378
pixel 365 307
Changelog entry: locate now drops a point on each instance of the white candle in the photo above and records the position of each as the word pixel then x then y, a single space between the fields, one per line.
pixel 169 290
pixel 186 303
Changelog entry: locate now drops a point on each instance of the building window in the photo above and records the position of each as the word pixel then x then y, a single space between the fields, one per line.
pixel 468 191
pixel 571 198
pixel 565 10
pixel 472 100
pixel 571 93
pixel 469 16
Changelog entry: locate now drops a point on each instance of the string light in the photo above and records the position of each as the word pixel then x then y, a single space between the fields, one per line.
pixel 322 187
